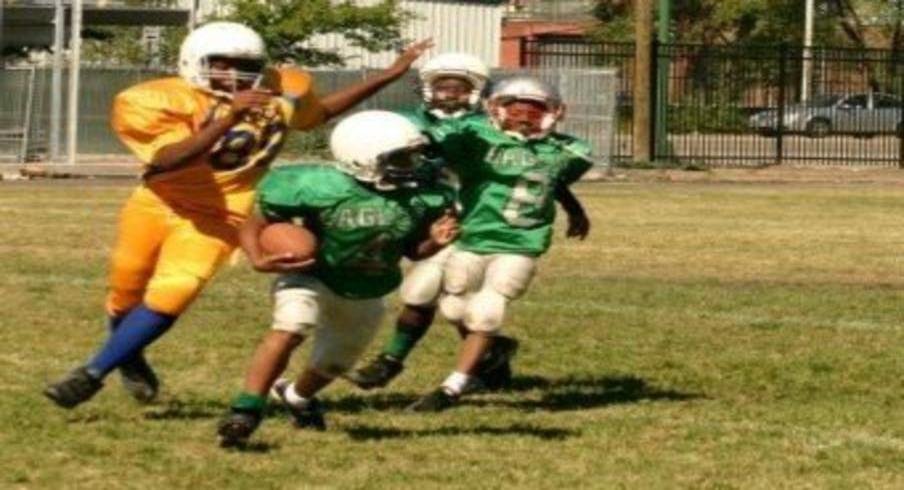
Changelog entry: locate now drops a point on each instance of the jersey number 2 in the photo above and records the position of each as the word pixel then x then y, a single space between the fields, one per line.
pixel 528 196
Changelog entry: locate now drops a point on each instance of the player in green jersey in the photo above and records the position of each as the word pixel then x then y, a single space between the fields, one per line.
pixel 367 211
pixel 451 87
pixel 451 84
pixel 509 173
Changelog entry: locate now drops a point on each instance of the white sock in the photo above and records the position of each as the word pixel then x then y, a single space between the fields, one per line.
pixel 294 399
pixel 455 383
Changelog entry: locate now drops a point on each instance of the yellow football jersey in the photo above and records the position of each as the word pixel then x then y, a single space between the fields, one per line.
pixel 154 114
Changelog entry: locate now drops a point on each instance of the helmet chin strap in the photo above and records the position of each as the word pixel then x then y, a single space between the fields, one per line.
pixel 441 114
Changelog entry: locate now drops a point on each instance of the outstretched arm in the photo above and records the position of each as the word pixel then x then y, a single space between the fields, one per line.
pixel 578 223
pixel 338 102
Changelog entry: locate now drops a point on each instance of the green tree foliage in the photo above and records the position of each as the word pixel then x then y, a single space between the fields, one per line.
pixel 855 23
pixel 286 25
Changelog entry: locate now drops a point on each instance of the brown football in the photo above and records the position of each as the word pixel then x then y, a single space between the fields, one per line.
pixel 284 238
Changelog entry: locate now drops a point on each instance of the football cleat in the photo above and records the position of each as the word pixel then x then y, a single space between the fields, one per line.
pixel 76 387
pixel 236 427
pixel 494 371
pixel 139 379
pixel 308 417
pixel 435 401
pixel 376 374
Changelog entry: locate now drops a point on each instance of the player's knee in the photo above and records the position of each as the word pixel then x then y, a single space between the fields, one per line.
pixel 295 311
pixel 172 295
pixel 422 284
pixel 417 316
pixel 485 311
pixel 452 307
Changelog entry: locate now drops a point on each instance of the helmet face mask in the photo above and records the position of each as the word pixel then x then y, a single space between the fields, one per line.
pixel 451 94
pixel 222 57
pixel 231 75
pixel 379 148
pixel 525 107
pixel 452 66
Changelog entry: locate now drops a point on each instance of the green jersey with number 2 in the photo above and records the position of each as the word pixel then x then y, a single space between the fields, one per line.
pixel 362 233
pixel 508 185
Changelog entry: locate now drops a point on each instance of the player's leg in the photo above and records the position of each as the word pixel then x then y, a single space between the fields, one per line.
pixel 141 228
pixel 297 311
pixel 509 275
pixel 348 328
pixel 506 278
pixel 187 259
pixel 419 293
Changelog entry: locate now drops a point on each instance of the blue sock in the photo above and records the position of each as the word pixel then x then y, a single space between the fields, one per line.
pixel 135 331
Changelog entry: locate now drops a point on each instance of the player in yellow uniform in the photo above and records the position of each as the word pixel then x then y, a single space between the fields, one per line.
pixel 205 137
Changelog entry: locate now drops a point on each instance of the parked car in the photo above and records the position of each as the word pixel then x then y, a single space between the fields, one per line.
pixel 865 114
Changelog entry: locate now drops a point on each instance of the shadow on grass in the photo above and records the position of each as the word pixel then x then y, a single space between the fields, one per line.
pixel 580 392
pixel 258 447
pixel 187 409
pixel 377 401
pixel 365 432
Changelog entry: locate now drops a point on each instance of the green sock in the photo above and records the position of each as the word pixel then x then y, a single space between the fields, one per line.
pixel 403 341
pixel 249 402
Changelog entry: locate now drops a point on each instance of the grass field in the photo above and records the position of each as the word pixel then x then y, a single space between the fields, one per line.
pixel 707 335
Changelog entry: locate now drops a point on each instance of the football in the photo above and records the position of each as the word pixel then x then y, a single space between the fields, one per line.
pixel 284 238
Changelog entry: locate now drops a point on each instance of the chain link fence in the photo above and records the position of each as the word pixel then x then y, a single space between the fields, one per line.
pixel 29 130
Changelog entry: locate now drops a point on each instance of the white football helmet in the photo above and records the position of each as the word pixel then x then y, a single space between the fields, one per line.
pixel 378 147
pixel 461 65
pixel 523 87
pixel 223 39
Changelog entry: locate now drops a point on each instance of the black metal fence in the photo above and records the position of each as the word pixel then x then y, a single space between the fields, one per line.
pixel 753 105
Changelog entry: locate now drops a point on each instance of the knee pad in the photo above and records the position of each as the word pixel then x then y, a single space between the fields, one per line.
pixel 463 272
pixel 452 307
pixel 172 294
pixel 510 275
pixel 485 311
pixel 296 311
pixel 422 284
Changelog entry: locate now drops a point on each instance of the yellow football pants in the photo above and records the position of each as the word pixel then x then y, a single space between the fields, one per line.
pixel 163 257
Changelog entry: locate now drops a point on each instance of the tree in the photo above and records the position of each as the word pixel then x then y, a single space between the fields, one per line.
pixel 286 25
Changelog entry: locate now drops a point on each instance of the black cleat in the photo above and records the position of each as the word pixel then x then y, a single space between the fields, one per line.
pixel 376 374
pixel 236 427
pixel 76 387
pixel 309 417
pixel 496 379
pixel 435 401
pixel 494 371
pixel 139 379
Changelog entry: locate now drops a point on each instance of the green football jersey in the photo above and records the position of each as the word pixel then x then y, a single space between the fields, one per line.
pixel 362 232
pixel 508 186
pixel 436 128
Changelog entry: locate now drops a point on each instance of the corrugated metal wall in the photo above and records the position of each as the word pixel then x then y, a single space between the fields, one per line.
pixel 470 27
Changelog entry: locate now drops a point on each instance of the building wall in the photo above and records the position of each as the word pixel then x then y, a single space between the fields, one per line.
pixel 472 27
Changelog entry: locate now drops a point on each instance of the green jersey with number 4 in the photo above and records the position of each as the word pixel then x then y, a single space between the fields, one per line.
pixel 362 232
pixel 508 186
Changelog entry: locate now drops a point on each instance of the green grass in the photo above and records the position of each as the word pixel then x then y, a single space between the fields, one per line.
pixel 705 336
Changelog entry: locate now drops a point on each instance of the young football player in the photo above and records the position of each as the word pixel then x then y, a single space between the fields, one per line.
pixel 452 86
pixel 367 211
pixel 509 173
pixel 205 137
